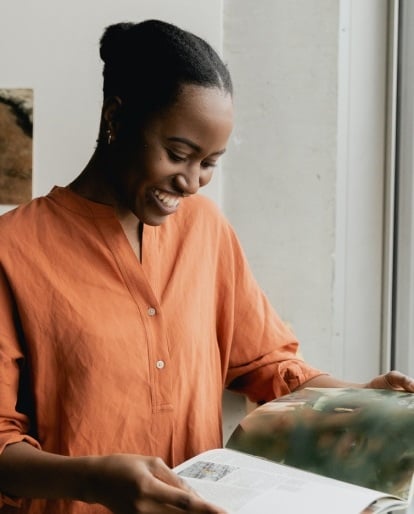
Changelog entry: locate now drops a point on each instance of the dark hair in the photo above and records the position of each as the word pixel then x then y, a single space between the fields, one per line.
pixel 147 63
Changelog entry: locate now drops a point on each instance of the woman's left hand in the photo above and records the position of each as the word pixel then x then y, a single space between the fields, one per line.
pixel 392 380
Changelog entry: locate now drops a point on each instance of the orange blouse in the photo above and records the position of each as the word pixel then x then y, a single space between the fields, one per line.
pixel 114 355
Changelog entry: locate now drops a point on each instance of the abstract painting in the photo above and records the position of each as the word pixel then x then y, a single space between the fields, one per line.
pixel 16 145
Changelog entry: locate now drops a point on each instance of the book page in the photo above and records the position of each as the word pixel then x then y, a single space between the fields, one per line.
pixel 360 436
pixel 244 484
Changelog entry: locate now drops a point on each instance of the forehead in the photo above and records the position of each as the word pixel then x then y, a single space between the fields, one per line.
pixel 205 115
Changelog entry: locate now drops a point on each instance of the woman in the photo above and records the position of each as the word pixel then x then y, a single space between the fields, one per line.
pixel 126 302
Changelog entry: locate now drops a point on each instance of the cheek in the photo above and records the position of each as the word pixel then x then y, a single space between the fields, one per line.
pixel 206 176
pixel 153 166
pixel 144 175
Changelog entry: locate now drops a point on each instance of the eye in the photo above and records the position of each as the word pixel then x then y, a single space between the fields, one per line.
pixel 207 165
pixel 175 157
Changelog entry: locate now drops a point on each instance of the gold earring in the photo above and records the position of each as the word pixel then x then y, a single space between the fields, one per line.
pixel 109 136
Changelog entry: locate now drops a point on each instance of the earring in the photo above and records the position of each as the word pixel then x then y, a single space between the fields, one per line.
pixel 109 136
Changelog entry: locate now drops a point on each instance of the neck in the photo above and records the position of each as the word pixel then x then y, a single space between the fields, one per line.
pixel 94 182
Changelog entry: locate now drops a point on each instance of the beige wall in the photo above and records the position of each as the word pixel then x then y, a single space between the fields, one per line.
pixel 303 182
pixel 279 180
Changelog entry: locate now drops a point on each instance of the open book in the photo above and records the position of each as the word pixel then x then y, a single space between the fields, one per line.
pixel 342 451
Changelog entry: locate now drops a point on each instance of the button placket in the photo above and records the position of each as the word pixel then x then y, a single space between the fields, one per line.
pixel 160 359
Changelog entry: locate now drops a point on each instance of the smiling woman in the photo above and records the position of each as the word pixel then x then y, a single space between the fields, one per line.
pixel 160 138
pixel 147 173
pixel 126 302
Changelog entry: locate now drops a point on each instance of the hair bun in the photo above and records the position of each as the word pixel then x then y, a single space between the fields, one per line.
pixel 146 63
pixel 114 42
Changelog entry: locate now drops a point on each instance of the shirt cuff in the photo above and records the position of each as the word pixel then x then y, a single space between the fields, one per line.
pixel 291 374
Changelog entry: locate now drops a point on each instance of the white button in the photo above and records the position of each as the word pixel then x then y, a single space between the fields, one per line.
pixel 151 311
pixel 160 364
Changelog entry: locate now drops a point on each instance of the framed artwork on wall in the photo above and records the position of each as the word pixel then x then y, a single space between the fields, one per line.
pixel 16 145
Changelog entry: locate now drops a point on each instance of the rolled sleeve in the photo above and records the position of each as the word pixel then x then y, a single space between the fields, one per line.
pixel 292 374
pixel 273 379
pixel 14 425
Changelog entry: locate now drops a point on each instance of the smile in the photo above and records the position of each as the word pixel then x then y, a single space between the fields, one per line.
pixel 171 201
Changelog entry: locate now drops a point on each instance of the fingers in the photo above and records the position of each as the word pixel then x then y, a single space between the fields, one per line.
pixel 166 475
pixel 393 380
pixel 186 501
pixel 396 380
pixel 161 471
pixel 136 484
pixel 166 488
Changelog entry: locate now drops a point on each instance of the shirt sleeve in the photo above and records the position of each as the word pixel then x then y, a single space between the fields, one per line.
pixel 264 361
pixel 14 425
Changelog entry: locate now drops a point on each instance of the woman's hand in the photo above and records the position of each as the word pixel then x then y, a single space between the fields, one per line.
pixel 392 380
pixel 125 484
pixel 133 484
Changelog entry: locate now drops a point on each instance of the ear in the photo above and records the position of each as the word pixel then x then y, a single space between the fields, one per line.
pixel 111 115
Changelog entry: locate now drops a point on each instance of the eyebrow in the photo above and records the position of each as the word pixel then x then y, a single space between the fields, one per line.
pixel 192 145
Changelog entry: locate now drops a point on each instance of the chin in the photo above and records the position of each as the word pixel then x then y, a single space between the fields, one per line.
pixel 153 221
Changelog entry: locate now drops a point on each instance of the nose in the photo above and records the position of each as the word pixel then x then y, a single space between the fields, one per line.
pixel 191 179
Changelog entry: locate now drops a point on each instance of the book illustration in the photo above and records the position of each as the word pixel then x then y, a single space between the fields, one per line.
pixel 205 470
pixel 359 436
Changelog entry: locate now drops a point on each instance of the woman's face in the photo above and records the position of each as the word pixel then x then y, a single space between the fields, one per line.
pixel 175 154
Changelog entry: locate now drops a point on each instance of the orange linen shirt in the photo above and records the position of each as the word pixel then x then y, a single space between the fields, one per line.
pixel 114 355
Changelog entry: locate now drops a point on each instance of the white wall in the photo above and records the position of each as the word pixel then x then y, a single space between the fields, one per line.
pixel 303 181
pixel 279 180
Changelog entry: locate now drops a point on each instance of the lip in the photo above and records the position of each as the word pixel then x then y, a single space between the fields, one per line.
pixel 164 209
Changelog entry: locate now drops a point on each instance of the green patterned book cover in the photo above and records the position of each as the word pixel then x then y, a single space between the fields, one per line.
pixel 360 436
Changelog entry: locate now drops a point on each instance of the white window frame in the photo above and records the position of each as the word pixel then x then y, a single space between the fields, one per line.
pixel 364 196
pixel 403 326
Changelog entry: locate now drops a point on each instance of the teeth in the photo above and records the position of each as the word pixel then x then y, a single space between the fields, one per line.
pixel 168 200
